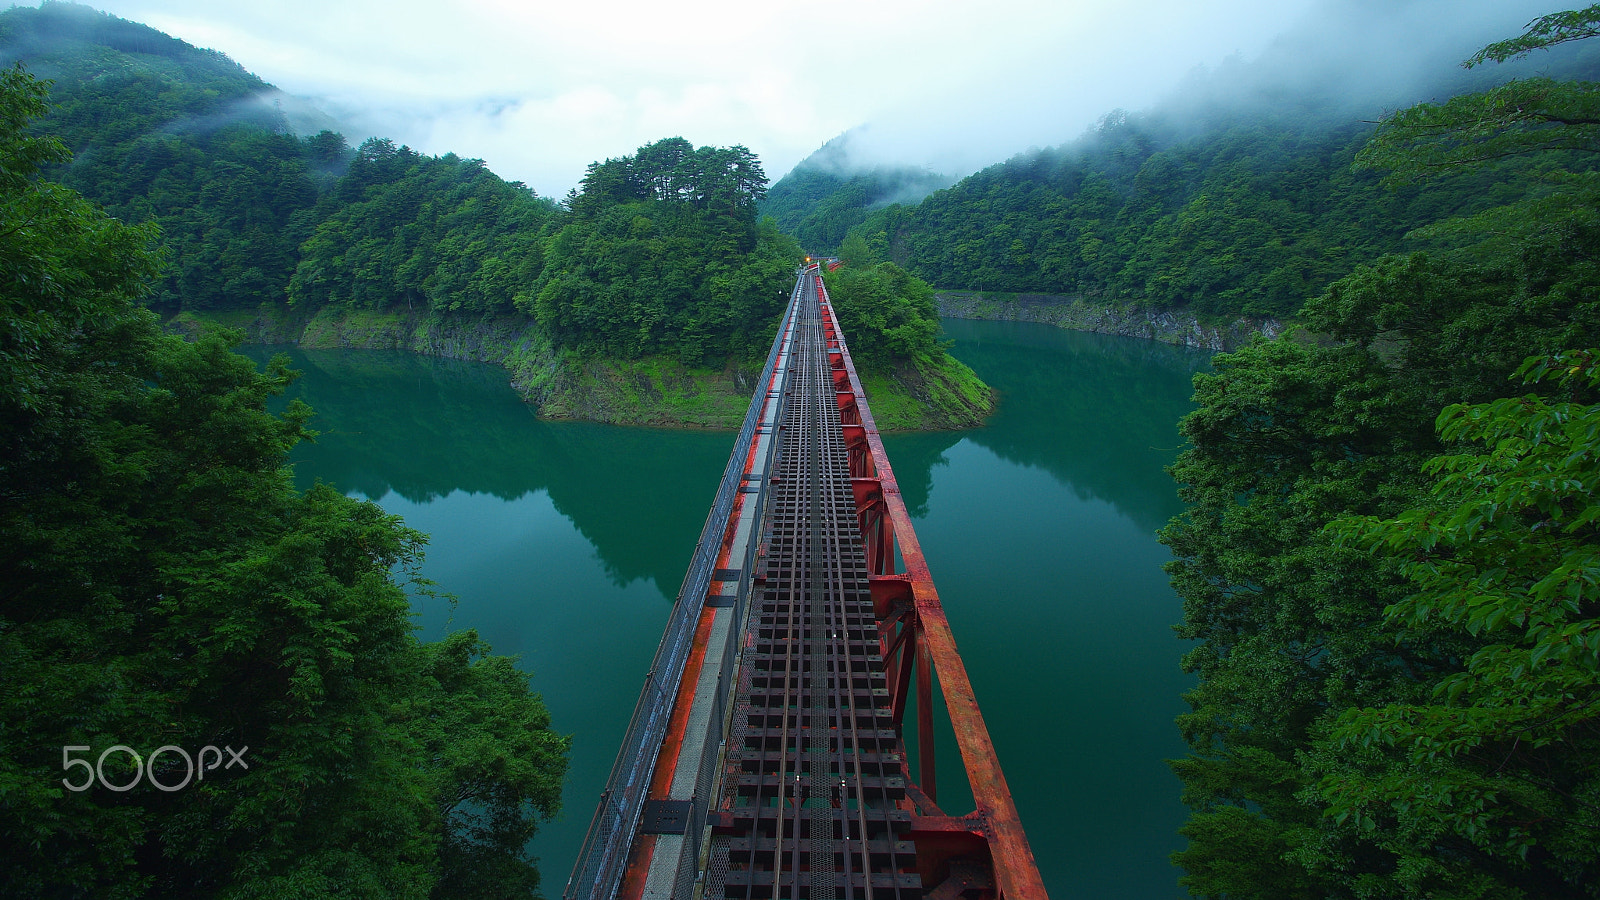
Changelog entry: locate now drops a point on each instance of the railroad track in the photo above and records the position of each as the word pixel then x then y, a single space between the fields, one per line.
pixel 813 773
pixel 765 758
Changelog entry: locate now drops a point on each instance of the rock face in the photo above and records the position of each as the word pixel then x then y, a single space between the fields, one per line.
pixel 564 384
pixel 1077 314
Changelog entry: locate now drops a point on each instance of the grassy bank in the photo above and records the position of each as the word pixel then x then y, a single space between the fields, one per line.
pixel 934 393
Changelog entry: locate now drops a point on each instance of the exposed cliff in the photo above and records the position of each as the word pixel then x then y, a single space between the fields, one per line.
pixel 1075 313
pixel 563 384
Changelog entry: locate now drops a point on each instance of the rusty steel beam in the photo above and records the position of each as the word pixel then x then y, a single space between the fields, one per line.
pixel 995 820
pixel 769 739
pixel 610 855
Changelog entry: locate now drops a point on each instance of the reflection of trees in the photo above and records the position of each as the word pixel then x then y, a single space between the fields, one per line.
pixel 1098 412
pixel 913 456
pixel 424 427
pixel 640 495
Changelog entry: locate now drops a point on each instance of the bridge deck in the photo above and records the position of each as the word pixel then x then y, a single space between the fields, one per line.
pixel 765 757
pixel 814 771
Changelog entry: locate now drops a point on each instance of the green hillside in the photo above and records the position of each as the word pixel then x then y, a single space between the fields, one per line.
pixel 827 194
pixel 659 255
pixel 173 610
pixel 1239 198
pixel 1388 561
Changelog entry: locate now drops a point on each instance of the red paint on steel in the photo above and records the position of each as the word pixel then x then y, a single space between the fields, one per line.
pixel 995 820
pixel 641 854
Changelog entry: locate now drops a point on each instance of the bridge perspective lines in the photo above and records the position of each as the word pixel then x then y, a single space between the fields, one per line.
pixel 765 758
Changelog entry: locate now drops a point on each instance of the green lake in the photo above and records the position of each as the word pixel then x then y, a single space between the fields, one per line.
pixel 564 543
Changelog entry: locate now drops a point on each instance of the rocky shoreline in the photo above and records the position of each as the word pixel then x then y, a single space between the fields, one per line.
pixel 563 384
pixel 1077 314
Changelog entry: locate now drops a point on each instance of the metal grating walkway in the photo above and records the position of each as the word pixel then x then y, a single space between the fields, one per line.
pixel 765 756
pixel 814 771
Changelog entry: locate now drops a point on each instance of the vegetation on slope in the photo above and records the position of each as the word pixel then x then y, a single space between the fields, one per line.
pixel 164 132
pixel 892 326
pixel 166 590
pixel 1389 563
pixel 827 194
pixel 439 234
pixel 1218 205
pixel 661 252
pixel 659 263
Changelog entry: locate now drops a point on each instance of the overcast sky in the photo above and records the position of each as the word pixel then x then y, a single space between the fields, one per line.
pixel 538 89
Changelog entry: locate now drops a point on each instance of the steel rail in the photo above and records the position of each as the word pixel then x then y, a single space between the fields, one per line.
pixel 829 515
pixel 1016 872
pixel 816 626
pixel 602 860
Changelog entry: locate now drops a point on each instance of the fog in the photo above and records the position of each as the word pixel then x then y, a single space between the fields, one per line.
pixel 1339 59
pixel 539 89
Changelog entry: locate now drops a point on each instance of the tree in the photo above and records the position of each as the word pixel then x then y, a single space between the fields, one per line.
pixel 886 313
pixel 1489 775
pixel 162 585
pixel 1521 117
pixel 1370 718
pixel 663 253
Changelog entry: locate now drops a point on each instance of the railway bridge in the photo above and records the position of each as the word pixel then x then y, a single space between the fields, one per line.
pixel 767 756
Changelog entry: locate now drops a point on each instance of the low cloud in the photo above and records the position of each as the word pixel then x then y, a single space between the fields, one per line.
pixel 540 90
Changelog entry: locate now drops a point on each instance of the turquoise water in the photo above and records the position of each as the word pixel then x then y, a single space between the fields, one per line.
pixel 564 543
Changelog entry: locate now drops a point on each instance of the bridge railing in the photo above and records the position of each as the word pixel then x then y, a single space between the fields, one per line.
pixel 921 639
pixel 604 855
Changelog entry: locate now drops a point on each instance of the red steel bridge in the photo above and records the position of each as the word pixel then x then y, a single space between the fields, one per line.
pixel 766 756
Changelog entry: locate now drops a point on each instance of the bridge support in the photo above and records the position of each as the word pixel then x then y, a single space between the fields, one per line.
pixel 916 634
pixel 765 760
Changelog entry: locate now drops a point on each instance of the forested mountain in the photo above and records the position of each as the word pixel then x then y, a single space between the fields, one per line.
pixel 1389 563
pixel 209 682
pixel 432 233
pixel 660 252
pixel 162 131
pixel 827 194
pixel 1239 196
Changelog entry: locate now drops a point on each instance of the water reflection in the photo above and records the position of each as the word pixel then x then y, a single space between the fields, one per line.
pixel 1098 412
pixel 566 542
pixel 424 428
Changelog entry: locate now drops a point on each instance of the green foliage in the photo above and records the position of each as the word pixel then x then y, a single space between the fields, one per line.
pixel 1521 117
pixel 444 234
pixel 885 312
pixel 186 139
pixel 1543 33
pixel 663 252
pixel 826 195
pixel 891 324
pixel 1393 621
pixel 168 133
pixel 1223 213
pixel 231 204
pixel 1499 756
pixel 725 181
pixel 115 80
pixel 1528 115
pixel 163 584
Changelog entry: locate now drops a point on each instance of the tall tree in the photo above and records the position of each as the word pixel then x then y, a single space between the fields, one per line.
pixel 164 589
pixel 1329 756
pixel 663 253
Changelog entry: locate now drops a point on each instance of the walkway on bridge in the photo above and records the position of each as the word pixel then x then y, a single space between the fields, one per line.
pixel 765 758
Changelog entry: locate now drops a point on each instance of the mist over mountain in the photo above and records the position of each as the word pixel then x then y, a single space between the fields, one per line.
pixel 1341 59
pixel 1234 194
pixel 827 193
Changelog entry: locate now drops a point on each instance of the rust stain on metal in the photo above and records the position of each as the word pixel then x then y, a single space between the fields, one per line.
pixel 1016 872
